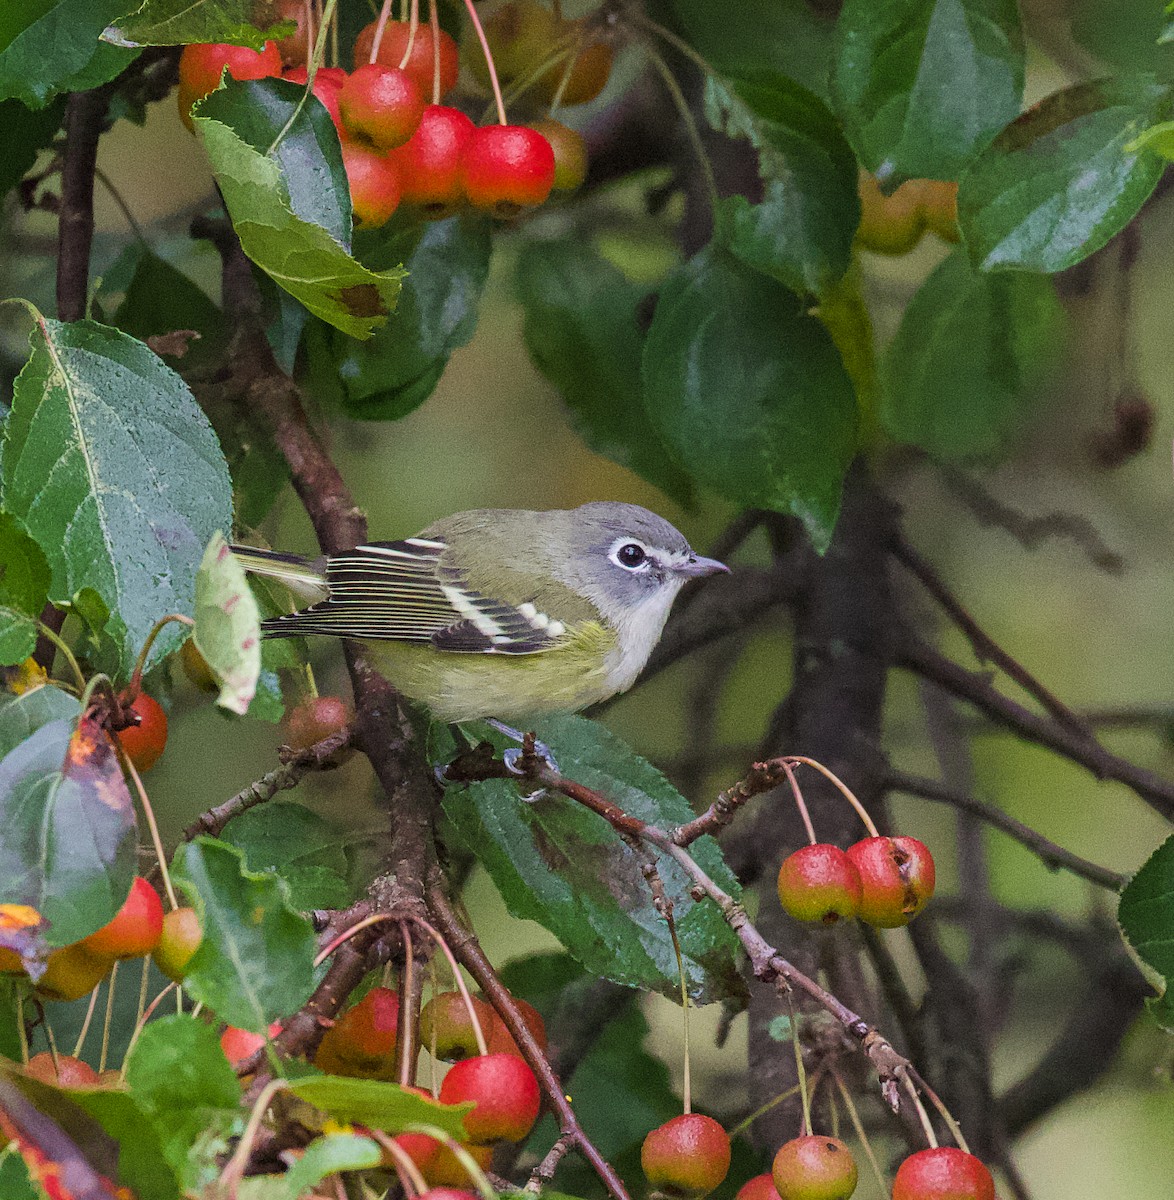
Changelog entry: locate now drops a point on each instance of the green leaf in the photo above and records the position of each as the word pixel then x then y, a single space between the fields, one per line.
pixel 801 233
pixel 69 828
pixel 328 1155
pixel 21 716
pixel 18 636
pixel 275 202
pixel 24 134
pixel 15 1183
pixel 583 333
pixel 179 22
pixel 306 850
pixel 159 298
pixel 922 85
pixel 1059 182
pixel 111 466
pixel 564 866
pixel 393 373
pixel 179 1075
pixel 255 962
pixel 24 572
pixel 378 1105
pixel 778 35
pixel 967 360
pixel 47 46
pixel 749 392
pixel 228 626
pixel 1146 916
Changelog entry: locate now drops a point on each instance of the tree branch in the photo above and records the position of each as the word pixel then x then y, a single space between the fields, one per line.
pixel 915 655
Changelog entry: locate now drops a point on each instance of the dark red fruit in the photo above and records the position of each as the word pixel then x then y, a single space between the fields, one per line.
pixel 897 876
pixel 69 1072
pixel 945 1173
pixel 382 105
pixel 362 1042
pixel 507 168
pixel 446 1019
pixel 814 1168
pixel 135 929
pixel 760 1187
pixel 178 942
pixel 320 717
pixel 294 49
pixel 419 64
pixel 686 1157
pixel 328 83
pixel 144 742
pixel 570 154
pixel 430 161
pixel 819 883
pixel 201 65
pixel 239 1044
pixel 505 1093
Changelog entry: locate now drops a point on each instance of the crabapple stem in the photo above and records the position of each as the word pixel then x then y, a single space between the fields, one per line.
pixel 145 1014
pixel 568 70
pixel 413 25
pixel 380 26
pixel 923 1116
pixel 407 1045
pixel 687 1087
pixel 861 811
pixel 682 107
pixel 858 1125
pixel 152 824
pixel 761 1111
pixel 347 934
pixel 156 629
pixel 309 8
pixel 234 1171
pixel 53 636
pixel 434 21
pixel 493 80
pixel 85 1029
pixel 105 1050
pixel 462 987
pixel 947 1116
pixel 799 801
pixel 800 1069
pixel 405 1168
pixel 677 43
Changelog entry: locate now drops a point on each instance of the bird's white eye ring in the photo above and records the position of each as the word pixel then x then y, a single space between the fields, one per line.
pixel 629 555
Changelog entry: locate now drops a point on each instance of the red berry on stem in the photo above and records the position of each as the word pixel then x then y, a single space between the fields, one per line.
pixel 686 1157
pixel 814 1167
pixel 445 1019
pixel 178 942
pixel 760 1187
pixel 506 1095
pixel 135 929
pixel 943 1173
pixel 420 62
pixel 430 162
pixel 382 105
pixel 320 717
pixel 819 883
pixel 507 167
pixel 897 876
pixel 362 1042
pixel 144 742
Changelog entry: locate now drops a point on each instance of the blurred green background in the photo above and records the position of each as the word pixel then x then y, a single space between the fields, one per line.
pixel 494 433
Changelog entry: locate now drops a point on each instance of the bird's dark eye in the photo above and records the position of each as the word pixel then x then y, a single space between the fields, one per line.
pixel 630 555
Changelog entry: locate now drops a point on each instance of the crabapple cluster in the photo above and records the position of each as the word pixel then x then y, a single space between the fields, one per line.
pixel 401 145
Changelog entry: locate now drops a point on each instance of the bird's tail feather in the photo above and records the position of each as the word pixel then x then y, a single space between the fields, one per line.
pixel 303 576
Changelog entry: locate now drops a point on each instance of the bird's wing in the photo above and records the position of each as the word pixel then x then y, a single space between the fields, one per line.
pixel 407 591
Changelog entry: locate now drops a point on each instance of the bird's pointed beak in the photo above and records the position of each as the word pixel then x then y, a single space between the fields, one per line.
pixel 695 567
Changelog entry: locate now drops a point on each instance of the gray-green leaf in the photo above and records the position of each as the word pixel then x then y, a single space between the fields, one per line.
pixel 111 466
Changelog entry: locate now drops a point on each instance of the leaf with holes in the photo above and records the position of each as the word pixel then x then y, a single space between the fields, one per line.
pixel 110 465
pixel 291 206
pixel 562 865
pixel 180 22
pixel 228 626
pixel 69 828
pixel 255 962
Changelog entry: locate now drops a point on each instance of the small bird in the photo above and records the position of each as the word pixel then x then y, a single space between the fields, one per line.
pixel 499 613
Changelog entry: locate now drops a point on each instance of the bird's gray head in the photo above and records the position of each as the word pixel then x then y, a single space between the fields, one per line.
pixel 624 555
